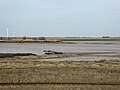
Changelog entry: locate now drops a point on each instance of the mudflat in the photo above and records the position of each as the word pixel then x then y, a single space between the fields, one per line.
pixel 87 65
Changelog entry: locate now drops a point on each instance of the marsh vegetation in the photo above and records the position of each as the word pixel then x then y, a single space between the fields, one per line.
pixel 17 74
pixel 50 70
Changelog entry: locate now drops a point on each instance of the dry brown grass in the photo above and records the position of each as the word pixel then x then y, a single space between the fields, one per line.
pixel 90 39
pixel 59 87
pixel 60 74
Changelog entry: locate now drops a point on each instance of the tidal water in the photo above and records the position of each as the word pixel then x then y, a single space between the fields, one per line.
pixel 81 46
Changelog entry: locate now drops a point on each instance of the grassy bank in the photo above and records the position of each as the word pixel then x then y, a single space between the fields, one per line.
pixel 52 39
pixel 90 39
pixel 59 74
pixel 59 87
pixel 106 72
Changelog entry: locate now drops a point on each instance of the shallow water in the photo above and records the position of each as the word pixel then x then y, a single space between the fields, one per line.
pixel 81 46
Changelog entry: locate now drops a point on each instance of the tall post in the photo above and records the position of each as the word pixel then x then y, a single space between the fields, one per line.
pixel 7 33
pixel 14 35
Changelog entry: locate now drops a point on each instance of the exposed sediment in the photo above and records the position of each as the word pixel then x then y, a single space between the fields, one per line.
pixel 50 54
pixel 47 75
pixel 10 55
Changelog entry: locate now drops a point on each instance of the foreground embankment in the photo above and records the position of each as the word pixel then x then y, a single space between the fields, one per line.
pixel 56 75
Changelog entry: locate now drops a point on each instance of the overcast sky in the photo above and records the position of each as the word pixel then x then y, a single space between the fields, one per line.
pixel 60 17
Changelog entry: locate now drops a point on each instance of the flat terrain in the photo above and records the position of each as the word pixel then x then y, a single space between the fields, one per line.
pixel 83 64
pixel 36 74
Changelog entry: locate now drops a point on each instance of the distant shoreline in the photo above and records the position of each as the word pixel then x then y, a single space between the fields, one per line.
pixel 50 39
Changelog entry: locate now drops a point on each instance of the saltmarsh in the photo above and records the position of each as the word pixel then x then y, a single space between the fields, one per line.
pixel 88 72
pixel 59 75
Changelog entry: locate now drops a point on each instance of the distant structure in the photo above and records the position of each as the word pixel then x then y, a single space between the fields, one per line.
pixel 105 36
pixel 14 34
pixel 7 33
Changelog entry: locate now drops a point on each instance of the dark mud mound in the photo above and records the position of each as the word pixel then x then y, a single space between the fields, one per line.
pixel 10 55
